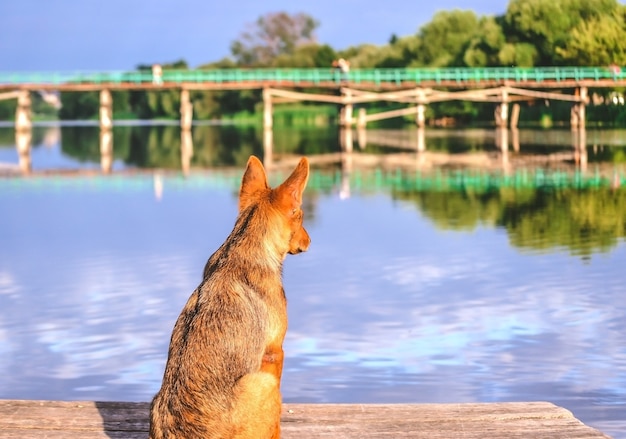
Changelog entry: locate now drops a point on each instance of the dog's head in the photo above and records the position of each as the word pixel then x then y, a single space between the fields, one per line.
pixel 285 200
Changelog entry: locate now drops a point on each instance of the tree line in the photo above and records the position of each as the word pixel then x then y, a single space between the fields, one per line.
pixel 530 33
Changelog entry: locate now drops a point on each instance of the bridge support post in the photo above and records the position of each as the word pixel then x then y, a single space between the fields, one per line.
pixel 577 114
pixel 267 109
pixel 579 132
pixel 186 110
pixel 106 110
pixel 361 122
pixel 23 120
pixel 420 118
pixel 515 115
pixel 502 111
pixel 346 111
pixel 574 117
pixel 268 147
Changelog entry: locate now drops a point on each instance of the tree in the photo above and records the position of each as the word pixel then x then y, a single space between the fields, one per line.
pixel 518 55
pixel 307 55
pixel 365 55
pixel 597 42
pixel 272 35
pixel 401 52
pixel 446 37
pixel 484 47
pixel 548 24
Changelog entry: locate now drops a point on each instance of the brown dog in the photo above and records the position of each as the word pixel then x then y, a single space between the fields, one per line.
pixel 222 378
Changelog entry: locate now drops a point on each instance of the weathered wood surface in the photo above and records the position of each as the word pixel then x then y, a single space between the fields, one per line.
pixel 88 420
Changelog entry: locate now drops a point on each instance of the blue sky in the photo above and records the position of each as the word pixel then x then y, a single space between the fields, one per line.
pixel 63 35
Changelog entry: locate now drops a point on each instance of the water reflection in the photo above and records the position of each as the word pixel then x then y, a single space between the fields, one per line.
pixel 422 285
pixel 186 150
pixel 23 145
pixel 386 307
pixel 169 147
pixel 106 151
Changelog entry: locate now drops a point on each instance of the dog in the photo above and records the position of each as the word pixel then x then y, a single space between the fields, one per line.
pixel 225 359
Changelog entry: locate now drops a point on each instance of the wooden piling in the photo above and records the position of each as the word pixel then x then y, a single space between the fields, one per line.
pixel 346 113
pixel 23 121
pixel 186 110
pixel 502 109
pixel 106 110
pixel 268 147
pixel 581 109
pixel 361 121
pixel 268 118
pixel 515 115
pixel 420 117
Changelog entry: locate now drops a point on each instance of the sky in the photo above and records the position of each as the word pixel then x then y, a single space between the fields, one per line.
pixel 78 35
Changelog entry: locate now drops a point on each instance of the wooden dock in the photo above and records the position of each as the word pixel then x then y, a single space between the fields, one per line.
pixel 88 420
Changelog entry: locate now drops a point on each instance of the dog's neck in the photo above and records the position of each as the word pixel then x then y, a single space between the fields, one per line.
pixel 252 242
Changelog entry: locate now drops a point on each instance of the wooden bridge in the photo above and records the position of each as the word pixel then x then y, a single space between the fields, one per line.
pixel 416 87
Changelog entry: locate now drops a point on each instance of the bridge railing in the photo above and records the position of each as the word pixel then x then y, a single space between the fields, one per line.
pixel 319 76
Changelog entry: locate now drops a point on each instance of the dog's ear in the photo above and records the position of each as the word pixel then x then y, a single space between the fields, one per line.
pixel 253 183
pixel 290 191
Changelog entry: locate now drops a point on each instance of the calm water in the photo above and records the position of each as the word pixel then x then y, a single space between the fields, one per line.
pixel 415 289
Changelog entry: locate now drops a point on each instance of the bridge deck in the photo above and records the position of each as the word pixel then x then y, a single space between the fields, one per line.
pixel 90 420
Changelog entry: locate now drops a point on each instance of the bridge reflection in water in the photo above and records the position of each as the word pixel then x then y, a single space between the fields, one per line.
pixel 373 160
pixel 405 149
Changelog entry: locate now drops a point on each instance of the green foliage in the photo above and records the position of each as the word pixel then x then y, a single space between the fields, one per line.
pixel 446 37
pixel 7 109
pixel 307 55
pixel 367 55
pixel 290 115
pixel 599 41
pixel 402 52
pixel 79 105
pixel 548 24
pixel 518 55
pixel 484 47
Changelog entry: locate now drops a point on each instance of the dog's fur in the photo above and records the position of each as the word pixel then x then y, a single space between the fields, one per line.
pixel 222 378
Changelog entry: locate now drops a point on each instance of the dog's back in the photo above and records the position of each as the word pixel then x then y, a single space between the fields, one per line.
pixel 222 378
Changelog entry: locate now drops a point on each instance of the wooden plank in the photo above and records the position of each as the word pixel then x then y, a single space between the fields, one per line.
pixel 9 95
pixel 91 420
pixel 306 96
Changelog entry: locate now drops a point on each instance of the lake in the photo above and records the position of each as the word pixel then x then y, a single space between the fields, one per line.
pixel 463 273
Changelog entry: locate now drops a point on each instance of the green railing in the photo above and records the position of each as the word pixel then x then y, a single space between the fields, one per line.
pixel 321 76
